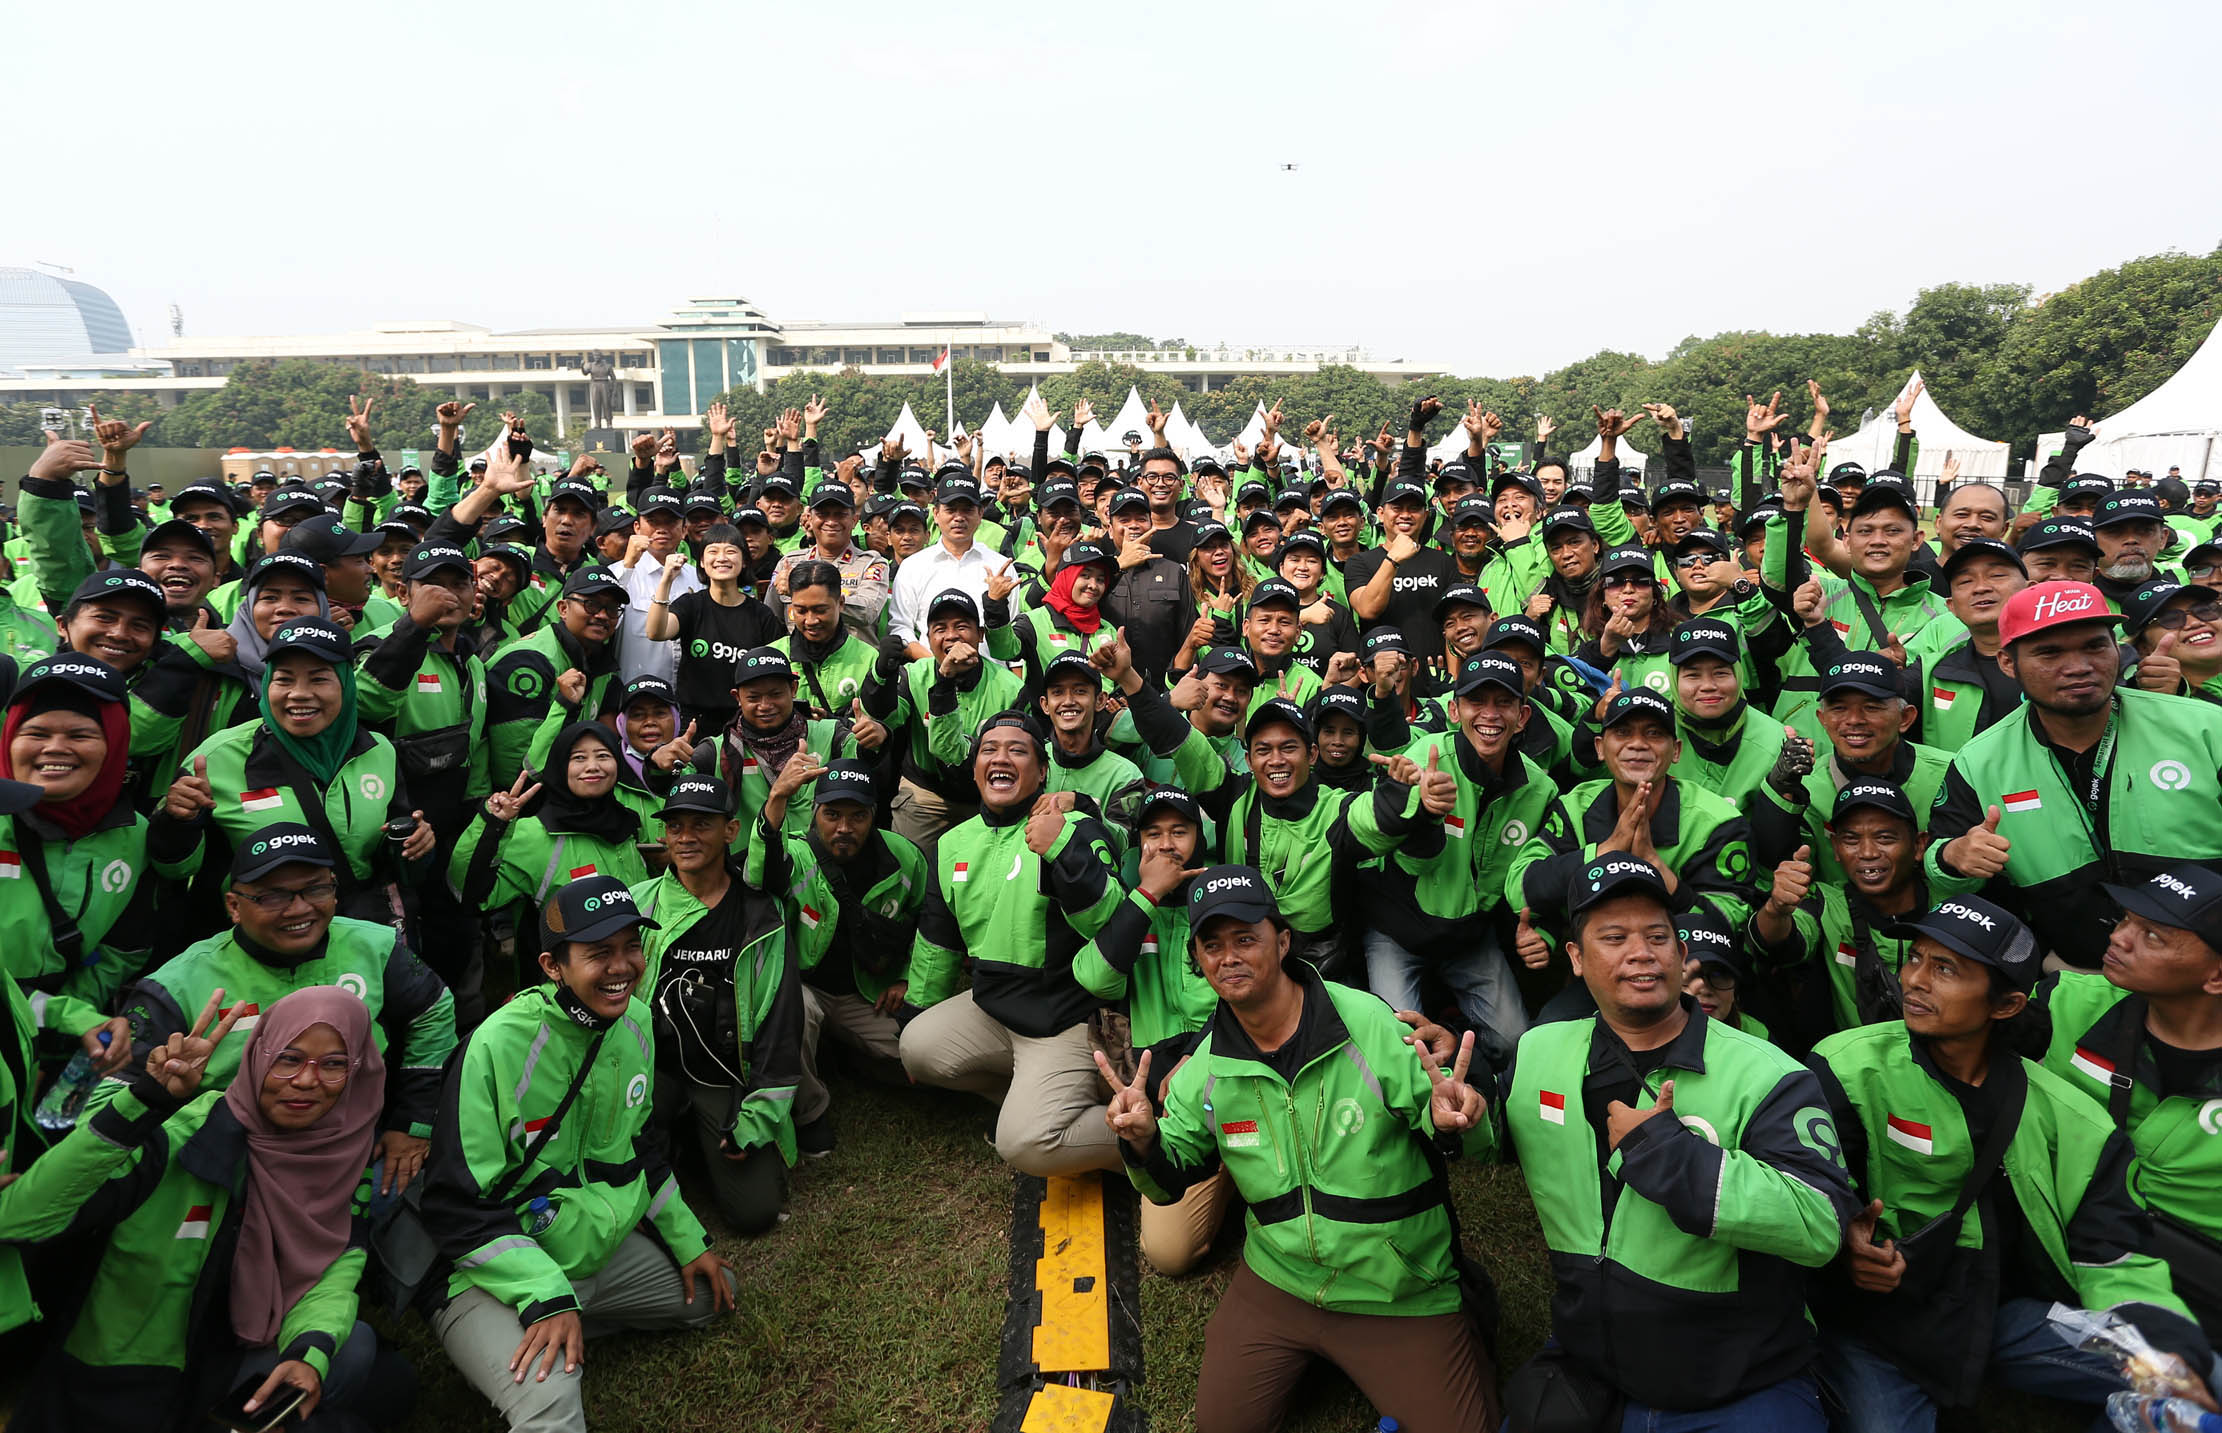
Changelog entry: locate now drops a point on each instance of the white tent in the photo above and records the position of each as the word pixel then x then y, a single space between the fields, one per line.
pixel 2178 424
pixel 913 433
pixel 995 434
pixel 1133 417
pixel 1017 441
pixel 1450 445
pixel 1252 430
pixel 1585 462
pixel 1094 440
pixel 1187 439
pixel 1875 443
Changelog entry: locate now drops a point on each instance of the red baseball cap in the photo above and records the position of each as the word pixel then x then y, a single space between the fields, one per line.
pixel 2052 604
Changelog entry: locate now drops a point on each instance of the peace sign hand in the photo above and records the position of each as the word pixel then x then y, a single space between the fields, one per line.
pixel 178 1064
pixel 358 422
pixel 1128 1112
pixel 506 805
pixel 1453 1106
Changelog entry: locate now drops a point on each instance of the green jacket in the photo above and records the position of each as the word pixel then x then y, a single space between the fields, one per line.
pixel 432 705
pixel 1036 636
pixel 1441 904
pixel 735 763
pixel 411 1012
pixel 1824 933
pixel 829 687
pixel 1680 1256
pixel 1020 917
pixel 1731 762
pixel 878 924
pixel 100 882
pixel 2098 1035
pixel 26 634
pixel 1778 828
pixel 1907 1139
pixel 1905 613
pixel 164 1183
pixel 2161 805
pixel 1700 837
pixel 521 693
pixel 602 1172
pixel 496 862
pixel 257 785
pixel 1954 706
pixel 1141 956
pixel 909 701
pixel 1340 1169
pixel 19 1140
pixel 766 992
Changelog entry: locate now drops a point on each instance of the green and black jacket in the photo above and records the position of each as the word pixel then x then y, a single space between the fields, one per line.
pixel 1703 839
pixel 1438 906
pixel 521 694
pixel 432 704
pixel 877 925
pixel 100 882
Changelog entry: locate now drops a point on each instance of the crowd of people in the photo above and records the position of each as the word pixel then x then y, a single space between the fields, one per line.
pixel 428 889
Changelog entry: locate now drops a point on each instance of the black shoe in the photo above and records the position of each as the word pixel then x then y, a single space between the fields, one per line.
pixel 815 1139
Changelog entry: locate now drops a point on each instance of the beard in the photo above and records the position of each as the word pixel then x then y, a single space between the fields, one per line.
pixel 2128 569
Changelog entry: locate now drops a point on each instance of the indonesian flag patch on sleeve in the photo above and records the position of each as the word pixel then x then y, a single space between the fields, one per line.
pixel 1943 697
pixel 1239 1134
pixel 580 873
pixel 196 1222
pixel 428 684
pixel 11 866
pixel 1916 1137
pixel 2093 1064
pixel 2021 801
pixel 1551 1105
pixel 810 917
pixel 266 799
pixel 1454 826
pixel 961 872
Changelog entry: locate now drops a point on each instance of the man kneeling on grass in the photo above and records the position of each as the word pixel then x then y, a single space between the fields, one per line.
pixel 1335 1135
pixel 559 1210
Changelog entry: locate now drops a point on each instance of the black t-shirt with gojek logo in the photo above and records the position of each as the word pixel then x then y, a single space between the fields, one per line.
pixel 1419 584
pixel 712 640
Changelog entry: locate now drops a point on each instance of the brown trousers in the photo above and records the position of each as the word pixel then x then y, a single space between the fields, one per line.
pixel 1430 1374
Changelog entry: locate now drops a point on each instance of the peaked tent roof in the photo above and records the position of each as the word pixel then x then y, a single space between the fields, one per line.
pixel 1630 459
pixel 2177 424
pixel 1185 436
pixel 913 433
pixel 1254 429
pixel 1873 445
pixel 1133 417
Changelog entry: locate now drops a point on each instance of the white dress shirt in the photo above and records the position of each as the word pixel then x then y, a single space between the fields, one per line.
pixel 933 570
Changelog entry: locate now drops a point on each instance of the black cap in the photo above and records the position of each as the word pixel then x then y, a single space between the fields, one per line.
pixel 1473 508
pixel 1338 701
pixel 957 488
pixel 89 675
pixel 1069 662
pixel 508 552
pixel 1638 701
pixel 1384 638
pixel 281 843
pixel 476 465
pixel 1704 637
pixel 846 781
pixel 1567 518
pixel 1056 491
pixel 296 564
pixel 2210 551
pixel 1180 801
pixel 662 500
pixel 614 519
pixel 2059 532
pixel 748 513
pixel 705 795
pixel 1709 939
pixel 119 582
pixel 1973 927
pixel 1885 796
pixel 1844 473
pixel 2144 604
pixel 393 530
pixel 1490 669
pixel 1060 465
pixel 1519 627
pixel 1252 491
pixel 1277 709
pixel 1237 891
pixel 2128 507
pixel 594 581
pixel 758 663
pixel 1463 594
pixel 895 514
pixel 1617 875
pixel 2186 897
pixel 1677 490
pixel 1126 498
pixel 577 490
pixel 1336 497
pixel 427 558
pixel 1885 490
pixel 1303 539
pixel 1526 482
pixel 178 528
pixel 2086 485
pixel 1759 516
pixel 913 475
pixel 776 481
pixel 1085 551
pixel 590 909
pixel 284 500
pixel 1634 500
pixel 206 490
pixel 313 635
pixel 1710 539
pixel 1401 490
pixel 954 599
pixel 1210 529
pixel 1275 592
pixel 1976 547
pixel 1228 661
pixel 647 684
pixel 831 495
pixel 1631 558
pixel 1861 672
pixel 709 500
pixel 502 527
pixel 1453 472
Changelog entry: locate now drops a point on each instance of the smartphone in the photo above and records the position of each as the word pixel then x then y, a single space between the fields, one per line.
pixel 276 1410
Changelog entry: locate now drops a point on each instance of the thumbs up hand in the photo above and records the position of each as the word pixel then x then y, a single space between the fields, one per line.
pixel 1982 851
pixel 1620 1117
pixel 1793 881
pixel 1438 788
pixel 1876 1265
pixel 1534 950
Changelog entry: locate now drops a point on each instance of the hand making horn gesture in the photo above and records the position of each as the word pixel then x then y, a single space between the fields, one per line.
pixel 1453 1106
pixel 1129 1113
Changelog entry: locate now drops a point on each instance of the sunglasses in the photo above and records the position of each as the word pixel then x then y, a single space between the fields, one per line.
pixel 2172 619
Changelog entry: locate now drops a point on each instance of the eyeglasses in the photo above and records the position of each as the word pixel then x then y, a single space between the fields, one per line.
pixel 600 606
pixel 2172 619
pixel 1695 559
pixel 331 1071
pixel 1628 579
pixel 322 893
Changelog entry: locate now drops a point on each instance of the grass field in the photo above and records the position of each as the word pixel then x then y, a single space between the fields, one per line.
pixel 877 1306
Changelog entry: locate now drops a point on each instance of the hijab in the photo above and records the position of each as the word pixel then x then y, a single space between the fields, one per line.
pixel 299 1203
pixel 252 644
pixel 1084 620
pixel 88 808
pixel 603 817
pixel 633 761
pixel 323 754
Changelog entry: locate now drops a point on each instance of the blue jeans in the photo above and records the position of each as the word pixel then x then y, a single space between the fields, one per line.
pixel 2025 1354
pixel 1791 1406
pixel 1478 977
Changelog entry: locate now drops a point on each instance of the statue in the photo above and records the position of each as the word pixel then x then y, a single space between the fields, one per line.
pixel 601 383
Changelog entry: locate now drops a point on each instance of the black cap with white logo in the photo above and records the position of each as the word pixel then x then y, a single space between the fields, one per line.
pixel 704 795
pixel 846 781
pixel 1639 701
pixel 281 843
pixel 1884 796
pixel 1859 672
pixel 1973 927
pixel 2186 897
pixel 1617 875
pixel 590 909
pixel 1704 637
pixel 1236 891
pixel 119 582
pixel 1490 669
pixel 427 558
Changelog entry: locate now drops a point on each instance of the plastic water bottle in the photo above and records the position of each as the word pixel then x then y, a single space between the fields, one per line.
pixel 65 1099
pixel 539 1215
pixel 1387 1425
pixel 2143 1413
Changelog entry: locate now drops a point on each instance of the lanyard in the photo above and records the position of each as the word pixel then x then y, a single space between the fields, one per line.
pixel 2094 796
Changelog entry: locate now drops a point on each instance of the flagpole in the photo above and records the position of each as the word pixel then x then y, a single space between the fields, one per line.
pixel 949 388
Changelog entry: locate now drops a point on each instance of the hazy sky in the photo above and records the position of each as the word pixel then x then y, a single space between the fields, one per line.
pixel 1496 189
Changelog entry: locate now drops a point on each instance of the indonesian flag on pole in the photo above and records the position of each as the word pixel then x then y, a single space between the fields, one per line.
pixel 1552 1107
pixel 2091 1063
pixel 942 362
pixel 1916 1137
pixel 196 1222
pixel 11 866
pixel 266 799
pixel 2021 801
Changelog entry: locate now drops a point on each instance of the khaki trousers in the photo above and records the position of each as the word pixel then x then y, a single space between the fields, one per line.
pixel 1052 1098
pixel 851 1020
